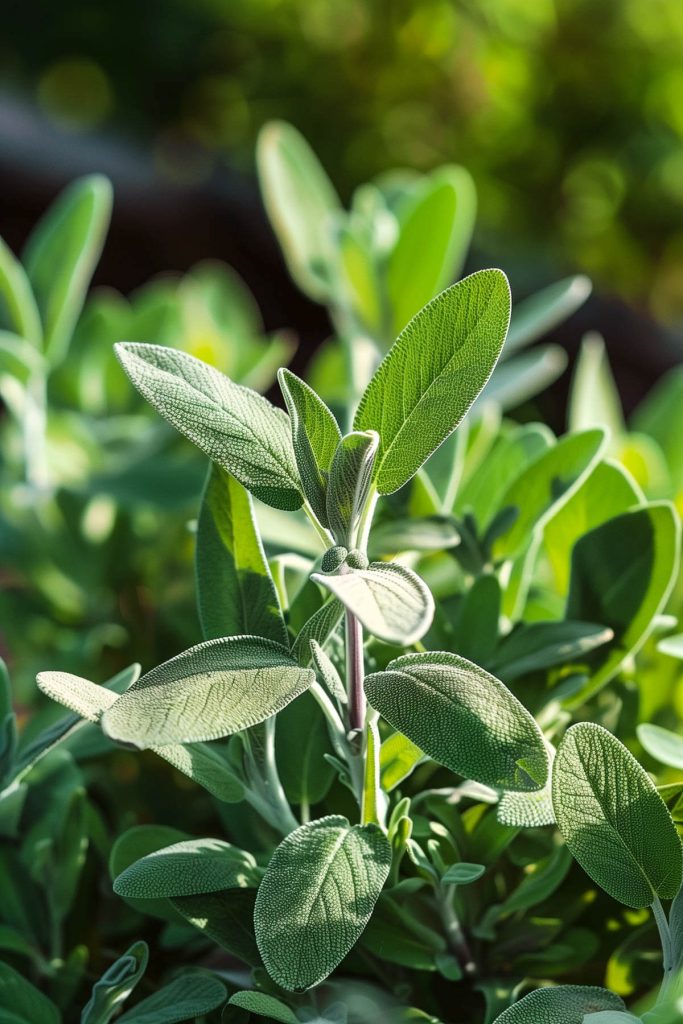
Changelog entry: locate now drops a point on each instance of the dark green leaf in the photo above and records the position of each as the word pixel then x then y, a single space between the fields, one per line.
pixel 566 1004
pixel 187 997
pixel 226 918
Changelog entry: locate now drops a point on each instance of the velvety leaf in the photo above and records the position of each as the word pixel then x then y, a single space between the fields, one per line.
pixel 315 436
pixel 390 600
pixel 62 253
pixel 676 930
pixel 435 229
pixel 427 533
pixel 301 743
pixel 319 627
pixel 134 844
pixel 463 718
pixel 566 1004
pixel 233 425
pixel 613 819
pixel 349 483
pixel 326 671
pixel 544 486
pixel 534 646
pixel 621 576
pixel 18 311
pixel 611 1017
pixel 187 997
pixel 529 810
pixel 316 898
pixel 22 1002
pixel 463 874
pixel 187 868
pixel 540 313
pixel 398 757
pixel 225 917
pixel 115 985
pixel 211 690
pixel 662 744
pixel 432 374
pixel 235 591
pixel 301 204
pixel 264 1005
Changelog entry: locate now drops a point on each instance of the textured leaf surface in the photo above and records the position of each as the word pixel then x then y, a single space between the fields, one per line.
pixel 326 671
pixel 233 425
pixel 429 533
pixel 529 810
pixel 320 627
pixel 662 744
pixel 316 898
pixel 187 997
pixel 116 984
pixel 566 1004
pixel 463 718
pixel 62 253
pixel 187 868
pixel 621 575
pixel 23 1002
pixel 235 591
pixel 432 374
pixel 544 486
pixel 349 483
pixel 264 1006
pixel 398 757
pixel 613 819
pixel 225 917
pixel 390 600
pixel 315 436
pixel 301 742
pixel 209 691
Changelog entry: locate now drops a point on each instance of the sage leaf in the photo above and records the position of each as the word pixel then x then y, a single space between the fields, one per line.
pixel 225 917
pixel 428 533
pixel 301 205
pixel 187 997
pixel 432 374
pixel 18 310
pixel 116 984
pixel 529 810
pixel 611 1017
pixel 23 1002
pixel 594 398
pixel 613 819
pixel 211 690
pixel 187 868
pixel 131 846
pixel 622 573
pixel 61 255
pixel 235 591
pixel 264 1006
pixel 316 898
pixel 536 316
pixel 233 425
pixel 534 646
pixel 398 757
pixel 662 744
pixel 566 1004
pixel 319 627
pixel 390 600
pixel 462 873
pixel 462 717
pixel 315 437
pixel 676 930
pixel 327 672
pixel 543 487
pixel 349 483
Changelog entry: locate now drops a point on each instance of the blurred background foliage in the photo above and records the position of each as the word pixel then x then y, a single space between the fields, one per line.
pixel 568 113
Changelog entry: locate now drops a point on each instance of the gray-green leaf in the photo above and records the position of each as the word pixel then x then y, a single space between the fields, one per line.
pixel 235 591
pixel 613 819
pixel 349 483
pixel 662 744
pixel 433 373
pixel 23 1002
pixel 116 984
pixel 187 997
pixel 211 690
pixel 463 718
pixel 316 898
pixel 390 600
pixel 315 436
pixel 327 672
pixel 566 1004
pixel 264 1006
pixel 233 425
pixel 186 869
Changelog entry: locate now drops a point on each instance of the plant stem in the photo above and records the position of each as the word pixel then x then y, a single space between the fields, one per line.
pixel 325 537
pixel 355 672
pixel 456 937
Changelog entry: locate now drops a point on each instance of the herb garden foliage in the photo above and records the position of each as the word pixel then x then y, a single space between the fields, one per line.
pixel 422 628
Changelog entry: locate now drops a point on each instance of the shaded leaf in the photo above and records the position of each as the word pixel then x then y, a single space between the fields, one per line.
pixel 534 646
pixel 264 1005
pixel 566 1004
pixel 187 868
pixel 22 1002
pixel 225 917
pixel 662 744
pixel 115 985
pixel 349 483
pixel 187 997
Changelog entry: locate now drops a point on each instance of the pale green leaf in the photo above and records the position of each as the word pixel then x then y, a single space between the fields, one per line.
pixel 534 646
pixel 349 483
pixel 301 203
pixel 529 810
pixel 398 757
pixel 662 744
pixel 22 1002
pixel 432 374
pixel 301 743
pixel 235 591
pixel 427 533
pixel 611 1017
pixel 187 868
pixel 358 277
pixel 594 399
pixel 233 425
pixel 542 488
pixel 613 819
pixel 319 627
pixel 316 898
pixel 264 1006
pixel 134 844
pixel 672 646
pixel 463 718
pixel 61 255
pixel 566 1004
pixel 390 600
pixel 436 224
pixel 540 313
pixel 315 437
pixel 327 672
pixel 18 311
pixel 676 931
pixel 115 985
pixel 211 690
pixel 187 997
pixel 518 379
pixel 226 918
pixel 660 416
pixel 621 575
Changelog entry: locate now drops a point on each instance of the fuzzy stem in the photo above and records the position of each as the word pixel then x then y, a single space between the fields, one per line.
pixel 355 672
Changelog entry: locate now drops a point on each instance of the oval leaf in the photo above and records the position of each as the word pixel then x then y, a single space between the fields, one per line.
pixel 566 1004
pixel 662 744
pixel 186 998
pixel 349 484
pixel 390 600
pixel 433 373
pixel 613 819
pixel 233 425
pixel 463 718
pixel 316 898
pixel 187 868
pixel 211 690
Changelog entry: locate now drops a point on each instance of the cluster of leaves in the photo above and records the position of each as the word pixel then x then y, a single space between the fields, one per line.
pixel 424 626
